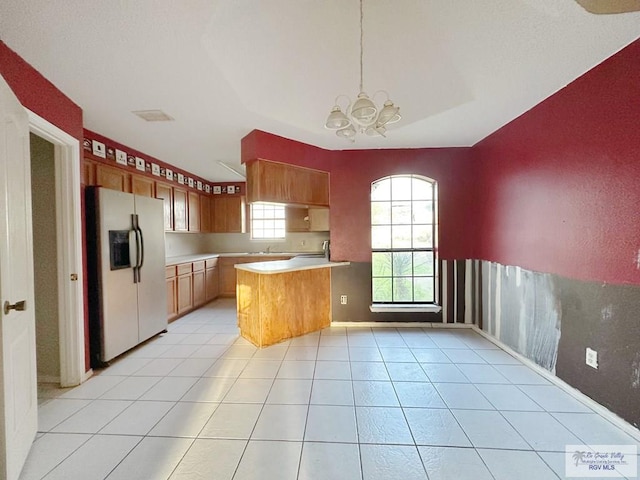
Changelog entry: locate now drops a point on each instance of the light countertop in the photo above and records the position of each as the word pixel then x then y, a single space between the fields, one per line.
pixel 196 257
pixel 293 265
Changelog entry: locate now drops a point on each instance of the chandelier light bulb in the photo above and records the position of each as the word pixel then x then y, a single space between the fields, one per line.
pixel 336 119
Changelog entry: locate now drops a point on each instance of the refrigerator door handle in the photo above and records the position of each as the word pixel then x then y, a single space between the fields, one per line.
pixel 141 250
pixel 133 240
pixel 136 266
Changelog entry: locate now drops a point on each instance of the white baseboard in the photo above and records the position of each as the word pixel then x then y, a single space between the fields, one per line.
pixel 87 375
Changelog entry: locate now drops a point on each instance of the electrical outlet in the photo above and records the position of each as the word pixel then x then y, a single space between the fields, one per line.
pixel 592 358
pixel 343 299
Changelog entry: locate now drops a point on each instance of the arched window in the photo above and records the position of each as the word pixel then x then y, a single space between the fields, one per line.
pixel 403 236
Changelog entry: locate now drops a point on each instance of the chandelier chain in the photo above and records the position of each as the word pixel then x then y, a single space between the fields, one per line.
pixel 361 45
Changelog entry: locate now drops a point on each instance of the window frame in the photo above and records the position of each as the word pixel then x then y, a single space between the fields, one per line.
pixel 433 231
pixel 276 207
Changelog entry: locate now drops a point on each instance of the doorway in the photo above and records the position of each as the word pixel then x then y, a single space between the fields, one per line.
pixel 58 271
pixel 45 265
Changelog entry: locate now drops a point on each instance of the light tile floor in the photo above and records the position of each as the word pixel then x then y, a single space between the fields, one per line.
pixel 199 402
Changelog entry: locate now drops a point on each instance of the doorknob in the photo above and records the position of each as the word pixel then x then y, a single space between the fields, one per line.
pixel 20 306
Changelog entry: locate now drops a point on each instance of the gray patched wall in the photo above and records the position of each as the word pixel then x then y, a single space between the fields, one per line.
pixel 521 308
pixel 552 320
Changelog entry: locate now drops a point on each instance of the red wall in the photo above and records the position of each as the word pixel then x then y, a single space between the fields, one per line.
pixel 351 174
pixel 561 183
pixel 38 94
pixel 259 144
pixel 42 97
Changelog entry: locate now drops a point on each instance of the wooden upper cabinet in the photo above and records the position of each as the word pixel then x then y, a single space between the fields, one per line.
pixel 142 186
pixel 112 178
pixel 282 183
pixel 229 216
pixel 165 192
pixel 180 210
pixel 318 219
pixel 205 214
pixel 88 174
pixel 193 209
pixel 297 219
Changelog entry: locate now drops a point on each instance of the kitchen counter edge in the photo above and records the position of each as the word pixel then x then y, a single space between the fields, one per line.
pixel 196 257
pixel 285 266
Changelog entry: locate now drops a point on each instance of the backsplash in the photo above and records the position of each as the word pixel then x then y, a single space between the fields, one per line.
pixel 242 242
pixel 176 243
pixel 190 243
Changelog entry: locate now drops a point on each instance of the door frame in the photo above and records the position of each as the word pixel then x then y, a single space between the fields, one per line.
pixel 69 249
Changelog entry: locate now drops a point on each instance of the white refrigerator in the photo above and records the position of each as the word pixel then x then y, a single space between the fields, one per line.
pixel 126 271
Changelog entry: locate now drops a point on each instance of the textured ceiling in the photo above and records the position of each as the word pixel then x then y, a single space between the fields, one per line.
pixel 458 69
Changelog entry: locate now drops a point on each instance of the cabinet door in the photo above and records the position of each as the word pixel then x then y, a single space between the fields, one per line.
pixel 198 288
pixel 142 186
pixel 227 279
pixel 229 214
pixel 211 282
pixel 112 178
pixel 318 219
pixel 269 182
pixel 193 209
pixel 205 214
pixel 165 192
pixel 318 188
pixel 172 298
pixel 180 208
pixel 297 219
pixel 185 292
pixel 283 183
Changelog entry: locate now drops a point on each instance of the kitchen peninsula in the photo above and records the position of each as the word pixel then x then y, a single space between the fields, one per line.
pixel 284 298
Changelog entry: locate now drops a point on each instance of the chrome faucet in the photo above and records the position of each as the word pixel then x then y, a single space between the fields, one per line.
pixel 325 249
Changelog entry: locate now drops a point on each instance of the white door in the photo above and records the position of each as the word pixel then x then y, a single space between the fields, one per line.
pixel 18 398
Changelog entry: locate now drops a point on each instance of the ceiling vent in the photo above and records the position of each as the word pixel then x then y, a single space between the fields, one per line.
pixel 153 115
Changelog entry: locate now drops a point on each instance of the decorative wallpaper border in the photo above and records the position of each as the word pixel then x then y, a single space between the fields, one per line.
pixel 128 160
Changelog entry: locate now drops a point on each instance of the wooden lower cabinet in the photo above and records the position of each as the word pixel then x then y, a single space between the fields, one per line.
pixel 191 285
pixel 185 288
pixel 228 277
pixel 199 297
pixel 275 307
pixel 172 293
pixel 211 279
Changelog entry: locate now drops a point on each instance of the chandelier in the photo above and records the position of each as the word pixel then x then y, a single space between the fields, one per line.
pixel 362 115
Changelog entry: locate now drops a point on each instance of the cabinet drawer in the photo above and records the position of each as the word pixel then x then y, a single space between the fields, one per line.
pixel 184 268
pixel 170 272
pixel 198 266
pixel 211 262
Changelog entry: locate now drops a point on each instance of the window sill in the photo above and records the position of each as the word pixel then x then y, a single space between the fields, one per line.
pixel 404 308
